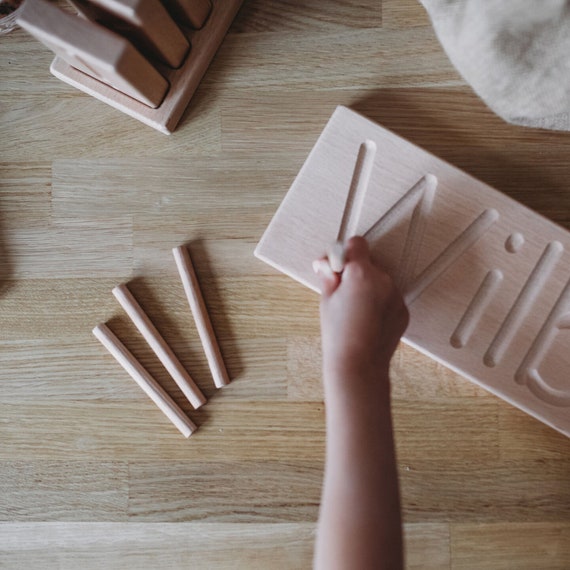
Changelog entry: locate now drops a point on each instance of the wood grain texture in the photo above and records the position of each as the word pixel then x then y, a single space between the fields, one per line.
pixel 224 546
pixel 537 545
pixel 94 491
pixel 91 473
pixel 158 345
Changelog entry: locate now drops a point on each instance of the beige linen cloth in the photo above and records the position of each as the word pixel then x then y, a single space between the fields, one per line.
pixel 514 53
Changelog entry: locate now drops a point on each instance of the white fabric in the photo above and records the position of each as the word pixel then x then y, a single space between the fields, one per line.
pixel 514 53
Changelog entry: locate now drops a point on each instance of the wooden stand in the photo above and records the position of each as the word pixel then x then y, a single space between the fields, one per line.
pixel 182 82
pixel 95 50
pixel 159 346
pixel 148 384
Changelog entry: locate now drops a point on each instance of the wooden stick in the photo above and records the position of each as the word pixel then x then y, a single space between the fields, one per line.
pixel 353 205
pixel 201 317
pixel 159 346
pixel 323 266
pixel 149 385
pixel 336 256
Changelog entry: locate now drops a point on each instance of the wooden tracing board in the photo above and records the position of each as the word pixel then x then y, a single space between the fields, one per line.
pixel 487 280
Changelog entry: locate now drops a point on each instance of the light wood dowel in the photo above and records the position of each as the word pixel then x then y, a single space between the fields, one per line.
pixel 336 256
pixel 159 346
pixel 201 317
pixel 149 385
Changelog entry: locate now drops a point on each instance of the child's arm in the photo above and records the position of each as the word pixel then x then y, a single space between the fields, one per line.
pixel 363 317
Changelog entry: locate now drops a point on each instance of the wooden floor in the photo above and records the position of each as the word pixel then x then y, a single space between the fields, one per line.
pixel 91 474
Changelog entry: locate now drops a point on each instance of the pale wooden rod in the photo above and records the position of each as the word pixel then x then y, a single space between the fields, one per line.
pixel 353 206
pixel 192 13
pixel 149 385
pixel 159 346
pixel 324 267
pixel 201 317
pixel 336 256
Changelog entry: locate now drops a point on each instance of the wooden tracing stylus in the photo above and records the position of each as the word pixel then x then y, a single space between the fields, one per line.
pixel 159 346
pixel 201 317
pixel 354 204
pixel 149 385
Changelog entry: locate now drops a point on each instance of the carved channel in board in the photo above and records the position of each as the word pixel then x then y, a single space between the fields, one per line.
pixel 409 258
pixel 476 308
pixel 422 191
pixel 523 303
pixel 420 197
pixel 528 373
pixel 357 190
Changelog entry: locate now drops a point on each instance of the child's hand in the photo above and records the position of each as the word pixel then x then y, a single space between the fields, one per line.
pixel 363 317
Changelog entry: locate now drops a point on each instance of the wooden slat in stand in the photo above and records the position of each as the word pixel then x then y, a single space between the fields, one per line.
pixel 183 81
pixel 193 13
pixel 486 279
pixel 95 50
pixel 146 23
pixel 159 346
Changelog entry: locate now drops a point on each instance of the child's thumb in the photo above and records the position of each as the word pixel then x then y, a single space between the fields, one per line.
pixel 329 280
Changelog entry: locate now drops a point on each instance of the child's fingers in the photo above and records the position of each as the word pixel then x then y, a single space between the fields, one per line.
pixel 336 256
pixel 329 280
pixel 357 250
